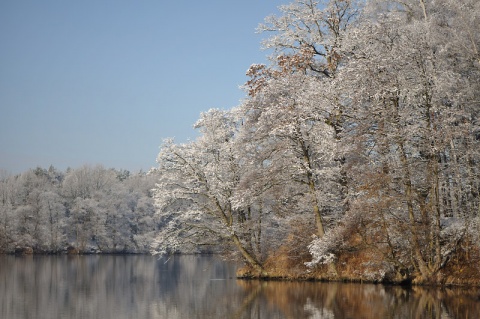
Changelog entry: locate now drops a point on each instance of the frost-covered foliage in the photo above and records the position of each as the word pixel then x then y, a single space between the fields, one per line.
pixel 320 249
pixel 288 120
pixel 324 250
pixel 366 125
pixel 91 209
pixel 194 195
pixel 313 27
pixel 414 150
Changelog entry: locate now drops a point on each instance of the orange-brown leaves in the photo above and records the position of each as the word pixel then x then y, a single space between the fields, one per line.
pixel 259 75
pixel 284 64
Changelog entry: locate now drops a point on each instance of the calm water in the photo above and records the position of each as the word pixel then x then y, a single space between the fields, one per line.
pixel 200 287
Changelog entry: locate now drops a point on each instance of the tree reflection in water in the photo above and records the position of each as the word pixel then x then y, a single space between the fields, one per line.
pixel 343 300
pixel 201 287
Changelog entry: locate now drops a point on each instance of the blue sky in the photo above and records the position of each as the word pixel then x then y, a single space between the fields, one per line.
pixel 104 82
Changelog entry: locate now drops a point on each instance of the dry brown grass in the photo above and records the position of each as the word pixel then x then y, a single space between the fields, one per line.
pixel 363 262
pixel 463 269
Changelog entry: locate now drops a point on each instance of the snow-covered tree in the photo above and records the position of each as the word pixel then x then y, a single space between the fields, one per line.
pixel 53 210
pixel 7 225
pixel 91 208
pixel 296 147
pixel 196 186
pixel 316 27
pixel 413 108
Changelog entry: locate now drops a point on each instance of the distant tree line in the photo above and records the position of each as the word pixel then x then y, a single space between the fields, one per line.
pixel 89 209
pixel 355 154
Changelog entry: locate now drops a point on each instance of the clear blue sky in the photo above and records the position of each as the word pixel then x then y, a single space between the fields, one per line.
pixel 104 82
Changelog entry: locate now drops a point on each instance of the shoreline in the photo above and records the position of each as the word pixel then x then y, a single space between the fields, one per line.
pixel 318 275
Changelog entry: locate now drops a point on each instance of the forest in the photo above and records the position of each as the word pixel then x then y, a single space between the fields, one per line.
pixel 90 209
pixel 353 156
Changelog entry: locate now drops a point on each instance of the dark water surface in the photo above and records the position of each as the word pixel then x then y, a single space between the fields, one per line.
pixel 132 286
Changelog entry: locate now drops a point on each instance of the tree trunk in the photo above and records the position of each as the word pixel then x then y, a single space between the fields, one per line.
pixel 251 260
pixel 311 188
pixel 422 266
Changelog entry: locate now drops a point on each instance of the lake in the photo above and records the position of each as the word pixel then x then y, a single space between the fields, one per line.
pixel 142 286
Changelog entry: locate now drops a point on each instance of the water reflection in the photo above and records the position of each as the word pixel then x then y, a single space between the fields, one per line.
pixel 341 300
pixel 200 287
